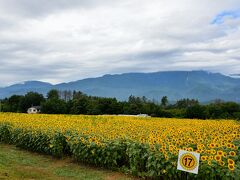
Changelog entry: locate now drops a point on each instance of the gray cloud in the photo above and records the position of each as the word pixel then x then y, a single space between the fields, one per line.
pixel 33 8
pixel 65 40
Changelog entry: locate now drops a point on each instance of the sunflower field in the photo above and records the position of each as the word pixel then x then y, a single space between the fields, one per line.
pixel 146 147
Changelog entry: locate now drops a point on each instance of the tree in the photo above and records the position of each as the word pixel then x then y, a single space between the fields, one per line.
pixel 93 106
pixel 54 106
pixel 12 103
pixel 223 110
pixel 108 106
pixel 196 111
pixel 231 107
pixel 30 99
pixel 185 103
pixel 66 95
pixel 164 101
pixel 134 105
pixel 215 111
pixel 79 105
pixel 77 94
pixel 53 94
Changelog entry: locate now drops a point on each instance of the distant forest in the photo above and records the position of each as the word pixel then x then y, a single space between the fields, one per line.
pixel 72 102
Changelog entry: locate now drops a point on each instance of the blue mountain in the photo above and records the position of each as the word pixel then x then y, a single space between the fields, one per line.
pixel 23 88
pixel 201 85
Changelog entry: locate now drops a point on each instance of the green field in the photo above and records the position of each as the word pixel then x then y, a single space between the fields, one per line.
pixel 19 164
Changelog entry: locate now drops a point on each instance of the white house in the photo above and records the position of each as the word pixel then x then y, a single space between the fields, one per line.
pixel 34 110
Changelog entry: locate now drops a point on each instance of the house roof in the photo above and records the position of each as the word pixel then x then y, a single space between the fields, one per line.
pixel 36 107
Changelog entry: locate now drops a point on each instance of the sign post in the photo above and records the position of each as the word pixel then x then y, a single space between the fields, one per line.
pixel 188 161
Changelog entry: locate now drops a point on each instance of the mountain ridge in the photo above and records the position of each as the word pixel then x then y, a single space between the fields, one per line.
pixel 201 85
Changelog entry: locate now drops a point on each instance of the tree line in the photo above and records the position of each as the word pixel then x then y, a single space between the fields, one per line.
pixel 76 102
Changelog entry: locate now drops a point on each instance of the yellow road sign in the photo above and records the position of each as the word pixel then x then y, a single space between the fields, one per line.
pixel 188 161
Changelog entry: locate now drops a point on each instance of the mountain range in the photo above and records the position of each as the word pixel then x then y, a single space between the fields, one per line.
pixel 202 85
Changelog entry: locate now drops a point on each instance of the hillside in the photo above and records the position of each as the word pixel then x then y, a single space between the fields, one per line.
pixel 201 85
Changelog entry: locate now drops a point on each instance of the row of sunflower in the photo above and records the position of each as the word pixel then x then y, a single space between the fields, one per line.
pixel 146 147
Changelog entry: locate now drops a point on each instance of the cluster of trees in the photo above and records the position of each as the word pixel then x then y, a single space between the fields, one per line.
pixel 68 102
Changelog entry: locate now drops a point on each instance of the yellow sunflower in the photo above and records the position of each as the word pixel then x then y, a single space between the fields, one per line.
pixel 231 167
pixel 221 163
pixel 220 153
pixel 203 158
pixel 230 161
pixel 232 153
pixel 217 158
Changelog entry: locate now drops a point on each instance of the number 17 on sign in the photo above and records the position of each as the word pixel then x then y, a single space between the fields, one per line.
pixel 188 161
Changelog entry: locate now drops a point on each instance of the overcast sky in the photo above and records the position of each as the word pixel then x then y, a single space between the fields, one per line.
pixel 65 40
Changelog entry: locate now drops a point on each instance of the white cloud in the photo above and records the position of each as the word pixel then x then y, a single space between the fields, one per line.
pixel 64 40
